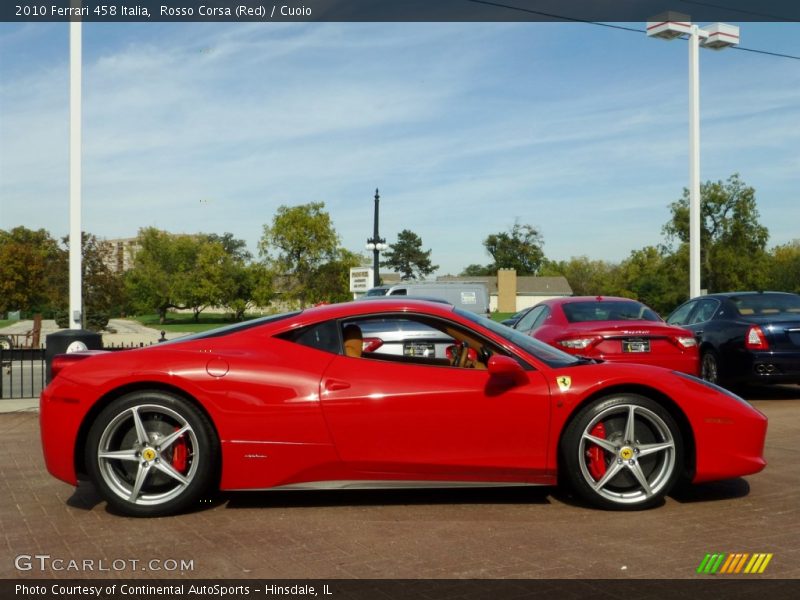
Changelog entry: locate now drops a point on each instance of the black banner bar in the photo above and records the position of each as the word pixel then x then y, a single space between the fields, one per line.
pixel 393 10
pixel 738 587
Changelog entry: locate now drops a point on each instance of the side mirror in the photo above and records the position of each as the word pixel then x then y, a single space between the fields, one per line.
pixel 505 366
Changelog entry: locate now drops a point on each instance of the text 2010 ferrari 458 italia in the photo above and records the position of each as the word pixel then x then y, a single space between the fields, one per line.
pixel 302 401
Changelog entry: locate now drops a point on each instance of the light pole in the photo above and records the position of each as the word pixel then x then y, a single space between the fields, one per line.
pixel 75 241
pixel 717 36
pixel 376 243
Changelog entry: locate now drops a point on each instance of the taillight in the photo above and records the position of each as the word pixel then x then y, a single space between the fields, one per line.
pixel 370 344
pixel 685 341
pixel 62 361
pixel 579 343
pixel 755 339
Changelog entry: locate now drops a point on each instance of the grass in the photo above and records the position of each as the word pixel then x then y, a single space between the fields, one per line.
pixel 6 323
pixel 501 316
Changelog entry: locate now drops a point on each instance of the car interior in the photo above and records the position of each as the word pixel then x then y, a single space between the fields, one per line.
pixel 464 350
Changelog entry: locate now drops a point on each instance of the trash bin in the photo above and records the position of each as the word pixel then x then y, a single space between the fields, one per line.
pixel 69 340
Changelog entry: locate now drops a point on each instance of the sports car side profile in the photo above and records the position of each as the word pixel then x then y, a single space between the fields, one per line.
pixel 298 401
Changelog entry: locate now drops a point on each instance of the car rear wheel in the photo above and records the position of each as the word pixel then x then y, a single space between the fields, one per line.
pixel 709 367
pixel 151 453
pixel 622 452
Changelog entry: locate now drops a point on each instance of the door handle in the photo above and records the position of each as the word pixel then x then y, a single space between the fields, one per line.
pixel 698 333
pixel 332 385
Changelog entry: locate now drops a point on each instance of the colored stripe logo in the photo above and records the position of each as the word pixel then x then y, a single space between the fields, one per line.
pixel 735 563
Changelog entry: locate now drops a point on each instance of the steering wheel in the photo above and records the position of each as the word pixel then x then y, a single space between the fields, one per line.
pixel 484 354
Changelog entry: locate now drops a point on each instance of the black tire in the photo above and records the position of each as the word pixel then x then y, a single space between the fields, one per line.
pixel 151 453
pixel 620 468
pixel 709 367
pixel 6 343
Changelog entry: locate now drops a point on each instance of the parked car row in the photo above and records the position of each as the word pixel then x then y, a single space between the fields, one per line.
pixel 732 338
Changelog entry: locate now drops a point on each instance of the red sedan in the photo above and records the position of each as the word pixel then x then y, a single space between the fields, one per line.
pixel 611 329
pixel 294 401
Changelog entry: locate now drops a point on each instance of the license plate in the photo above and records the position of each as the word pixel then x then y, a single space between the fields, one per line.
pixel 419 349
pixel 636 345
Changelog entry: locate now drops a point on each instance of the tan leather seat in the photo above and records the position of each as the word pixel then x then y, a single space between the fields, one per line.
pixel 353 341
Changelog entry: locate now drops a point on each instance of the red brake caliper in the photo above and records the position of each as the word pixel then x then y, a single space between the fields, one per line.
pixel 179 454
pixel 595 454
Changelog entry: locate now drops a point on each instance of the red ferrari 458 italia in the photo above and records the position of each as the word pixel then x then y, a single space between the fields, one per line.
pixel 302 401
pixel 613 329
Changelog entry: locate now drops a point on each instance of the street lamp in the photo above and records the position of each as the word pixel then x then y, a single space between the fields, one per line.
pixel 718 36
pixel 376 243
pixel 75 241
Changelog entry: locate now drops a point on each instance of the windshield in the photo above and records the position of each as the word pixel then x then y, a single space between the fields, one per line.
pixel 553 357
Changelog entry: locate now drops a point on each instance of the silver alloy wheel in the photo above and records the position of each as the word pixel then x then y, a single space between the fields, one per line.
pixel 137 453
pixel 639 459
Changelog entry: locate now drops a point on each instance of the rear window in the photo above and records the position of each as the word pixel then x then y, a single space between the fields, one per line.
pixel 766 304
pixel 608 310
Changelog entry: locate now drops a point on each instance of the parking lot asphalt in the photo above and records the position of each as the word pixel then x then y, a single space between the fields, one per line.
pixel 504 533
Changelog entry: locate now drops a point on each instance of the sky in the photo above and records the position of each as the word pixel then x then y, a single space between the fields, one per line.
pixel 576 129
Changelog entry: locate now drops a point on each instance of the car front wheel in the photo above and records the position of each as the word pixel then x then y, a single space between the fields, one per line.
pixel 151 453
pixel 622 452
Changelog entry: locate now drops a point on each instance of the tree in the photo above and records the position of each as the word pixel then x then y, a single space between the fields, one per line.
pixel 586 277
pixel 476 270
pixel 407 257
pixel 236 249
pixel 732 240
pixel 103 289
pixel 331 282
pixel 519 248
pixel 163 271
pixel 296 247
pixel 28 270
pixel 784 268
pixel 654 276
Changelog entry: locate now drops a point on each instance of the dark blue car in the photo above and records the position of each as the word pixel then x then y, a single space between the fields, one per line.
pixel 745 337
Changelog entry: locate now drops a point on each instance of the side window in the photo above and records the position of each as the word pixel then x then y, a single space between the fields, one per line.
pixel 681 315
pixel 400 292
pixel 416 340
pixel 540 319
pixel 531 319
pixel 322 336
pixel 705 310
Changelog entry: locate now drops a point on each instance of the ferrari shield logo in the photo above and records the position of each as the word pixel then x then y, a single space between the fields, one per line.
pixel 564 383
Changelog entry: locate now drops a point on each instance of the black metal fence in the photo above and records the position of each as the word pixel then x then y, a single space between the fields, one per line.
pixel 23 371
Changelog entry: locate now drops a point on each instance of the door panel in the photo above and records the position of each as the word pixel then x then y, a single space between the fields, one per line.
pixel 434 422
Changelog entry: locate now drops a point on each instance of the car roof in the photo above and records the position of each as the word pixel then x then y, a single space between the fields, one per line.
pixel 746 293
pixel 569 299
pixel 385 299
pixel 378 305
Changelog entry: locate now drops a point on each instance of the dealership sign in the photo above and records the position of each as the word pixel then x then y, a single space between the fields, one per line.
pixel 360 279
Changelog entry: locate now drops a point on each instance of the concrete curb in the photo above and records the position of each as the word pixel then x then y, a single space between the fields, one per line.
pixel 19 405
